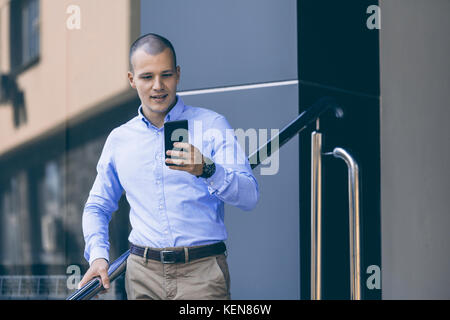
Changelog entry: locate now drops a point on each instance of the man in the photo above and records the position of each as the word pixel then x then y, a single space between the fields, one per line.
pixel 177 210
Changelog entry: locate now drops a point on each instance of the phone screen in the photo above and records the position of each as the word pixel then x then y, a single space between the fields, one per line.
pixel 175 131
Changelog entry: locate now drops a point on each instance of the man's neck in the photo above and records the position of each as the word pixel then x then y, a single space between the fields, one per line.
pixel 157 119
pixel 157 122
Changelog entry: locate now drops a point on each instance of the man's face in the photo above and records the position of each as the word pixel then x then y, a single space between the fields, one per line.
pixel 155 79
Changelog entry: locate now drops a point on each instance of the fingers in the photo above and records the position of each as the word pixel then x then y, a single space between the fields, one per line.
pixel 104 277
pixel 190 160
pixel 88 276
pixel 191 154
pixel 98 268
pixel 183 145
pixel 179 154
pixel 178 162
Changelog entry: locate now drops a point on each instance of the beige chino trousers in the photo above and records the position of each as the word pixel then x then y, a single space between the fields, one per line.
pixel 203 279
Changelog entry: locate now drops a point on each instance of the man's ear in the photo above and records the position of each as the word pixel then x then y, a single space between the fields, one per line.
pixel 178 74
pixel 131 79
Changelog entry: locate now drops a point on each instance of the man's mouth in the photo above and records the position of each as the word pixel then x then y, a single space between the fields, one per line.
pixel 159 97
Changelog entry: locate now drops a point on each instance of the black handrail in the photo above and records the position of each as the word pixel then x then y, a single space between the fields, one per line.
pixel 293 128
pixel 118 267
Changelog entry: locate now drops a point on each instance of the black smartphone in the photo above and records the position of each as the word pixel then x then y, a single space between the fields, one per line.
pixel 175 131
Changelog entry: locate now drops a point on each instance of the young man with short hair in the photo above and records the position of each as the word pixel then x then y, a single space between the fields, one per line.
pixel 176 204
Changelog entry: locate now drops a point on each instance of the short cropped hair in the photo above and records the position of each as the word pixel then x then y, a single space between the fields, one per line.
pixel 153 44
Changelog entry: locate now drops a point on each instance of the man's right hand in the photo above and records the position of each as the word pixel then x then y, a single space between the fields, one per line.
pixel 99 267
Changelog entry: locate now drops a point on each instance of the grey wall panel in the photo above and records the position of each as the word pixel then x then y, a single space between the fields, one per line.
pixel 271 107
pixel 264 243
pixel 221 43
pixel 415 175
pixel 229 43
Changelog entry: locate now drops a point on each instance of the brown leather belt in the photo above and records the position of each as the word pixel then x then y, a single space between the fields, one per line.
pixel 181 255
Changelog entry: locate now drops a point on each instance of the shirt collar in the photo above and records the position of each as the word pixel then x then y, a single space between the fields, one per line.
pixel 173 114
pixel 176 111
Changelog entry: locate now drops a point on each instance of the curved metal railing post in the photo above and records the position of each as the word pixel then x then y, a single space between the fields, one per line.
pixel 354 222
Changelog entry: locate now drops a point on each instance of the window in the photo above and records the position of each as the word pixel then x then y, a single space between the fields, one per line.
pixel 24 33
pixel 52 189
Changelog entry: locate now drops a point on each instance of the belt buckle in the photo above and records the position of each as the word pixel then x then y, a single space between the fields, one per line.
pixel 164 254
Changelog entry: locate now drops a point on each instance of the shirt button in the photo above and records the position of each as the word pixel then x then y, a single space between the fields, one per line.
pixel 158 182
pixel 161 207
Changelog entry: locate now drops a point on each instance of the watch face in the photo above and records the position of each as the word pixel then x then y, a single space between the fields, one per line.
pixel 208 170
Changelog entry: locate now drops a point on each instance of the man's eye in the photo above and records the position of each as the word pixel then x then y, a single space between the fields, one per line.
pixel 146 77
pixel 167 75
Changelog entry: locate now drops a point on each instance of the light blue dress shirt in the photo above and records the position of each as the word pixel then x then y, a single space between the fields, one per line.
pixel 168 208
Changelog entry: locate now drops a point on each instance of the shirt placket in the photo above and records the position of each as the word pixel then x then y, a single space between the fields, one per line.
pixel 159 180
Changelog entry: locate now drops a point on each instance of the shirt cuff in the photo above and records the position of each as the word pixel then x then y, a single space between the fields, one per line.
pixel 97 253
pixel 216 181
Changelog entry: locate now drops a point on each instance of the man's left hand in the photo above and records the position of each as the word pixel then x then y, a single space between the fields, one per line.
pixel 189 159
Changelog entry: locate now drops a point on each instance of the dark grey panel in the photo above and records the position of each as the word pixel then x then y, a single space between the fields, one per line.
pixel 264 243
pixel 221 43
pixel 335 46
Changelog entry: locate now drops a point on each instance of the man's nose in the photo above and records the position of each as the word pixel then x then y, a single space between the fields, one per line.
pixel 157 84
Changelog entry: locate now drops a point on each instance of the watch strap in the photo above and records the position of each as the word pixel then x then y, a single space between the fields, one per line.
pixel 209 168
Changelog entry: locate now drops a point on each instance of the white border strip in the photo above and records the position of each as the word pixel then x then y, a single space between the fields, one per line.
pixel 237 88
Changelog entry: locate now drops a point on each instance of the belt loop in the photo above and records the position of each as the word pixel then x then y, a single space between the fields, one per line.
pixel 145 255
pixel 186 255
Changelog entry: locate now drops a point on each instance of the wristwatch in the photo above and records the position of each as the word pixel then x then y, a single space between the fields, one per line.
pixel 209 168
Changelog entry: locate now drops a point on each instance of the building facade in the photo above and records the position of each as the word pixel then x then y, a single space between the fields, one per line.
pixel 261 63
pixel 64 68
